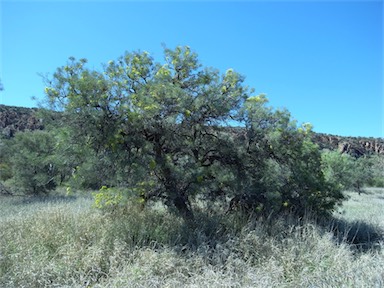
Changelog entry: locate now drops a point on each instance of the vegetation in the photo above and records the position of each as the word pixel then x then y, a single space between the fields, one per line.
pixel 348 172
pixel 33 162
pixel 63 242
pixel 176 132
pixel 195 182
pixel 377 179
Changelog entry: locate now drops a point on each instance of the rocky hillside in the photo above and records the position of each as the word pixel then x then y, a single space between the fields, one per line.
pixel 13 119
pixel 355 146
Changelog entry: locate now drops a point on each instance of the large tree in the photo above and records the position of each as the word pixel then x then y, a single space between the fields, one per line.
pixel 175 130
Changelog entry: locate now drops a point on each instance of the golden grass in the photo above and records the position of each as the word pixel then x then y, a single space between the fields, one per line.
pixel 66 243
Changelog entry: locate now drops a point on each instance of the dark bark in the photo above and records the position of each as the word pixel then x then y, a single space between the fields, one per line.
pixel 175 195
pixel 183 207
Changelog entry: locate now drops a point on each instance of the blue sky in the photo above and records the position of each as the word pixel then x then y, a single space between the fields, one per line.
pixel 322 60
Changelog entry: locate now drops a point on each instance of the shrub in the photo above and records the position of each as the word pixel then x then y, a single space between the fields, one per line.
pixel 33 162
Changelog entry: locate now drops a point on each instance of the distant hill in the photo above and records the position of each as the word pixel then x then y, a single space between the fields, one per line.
pixel 14 119
pixel 355 146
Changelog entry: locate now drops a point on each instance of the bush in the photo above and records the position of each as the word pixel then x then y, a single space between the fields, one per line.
pixel 33 162
pixel 377 179
pixel 5 165
pixel 347 172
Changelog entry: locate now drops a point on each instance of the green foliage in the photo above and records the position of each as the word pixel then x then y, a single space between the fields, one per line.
pixel 111 198
pixel 33 162
pixel 284 165
pixel 5 159
pixel 169 127
pixel 363 173
pixel 377 179
pixel 345 171
pixel 337 168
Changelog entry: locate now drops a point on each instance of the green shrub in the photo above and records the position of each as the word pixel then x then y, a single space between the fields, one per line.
pixel 347 172
pixel 33 162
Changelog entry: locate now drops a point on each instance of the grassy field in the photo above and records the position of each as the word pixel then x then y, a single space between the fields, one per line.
pixel 64 242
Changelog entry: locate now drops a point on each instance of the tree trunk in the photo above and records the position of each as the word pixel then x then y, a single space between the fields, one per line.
pixel 183 207
pixel 176 198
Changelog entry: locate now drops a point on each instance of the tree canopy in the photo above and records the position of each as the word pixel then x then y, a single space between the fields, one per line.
pixel 176 131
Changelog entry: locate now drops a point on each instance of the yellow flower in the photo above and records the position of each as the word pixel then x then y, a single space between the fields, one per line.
pixel 187 113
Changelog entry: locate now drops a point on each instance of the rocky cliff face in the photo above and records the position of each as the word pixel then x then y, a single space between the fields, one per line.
pixel 14 119
pixel 355 146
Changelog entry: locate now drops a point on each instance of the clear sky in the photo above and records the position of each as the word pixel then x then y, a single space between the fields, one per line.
pixel 322 60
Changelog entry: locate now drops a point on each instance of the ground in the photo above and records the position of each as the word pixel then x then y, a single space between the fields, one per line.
pixel 64 242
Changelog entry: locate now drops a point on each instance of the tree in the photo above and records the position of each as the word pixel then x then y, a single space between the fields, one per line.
pixel 377 171
pixel 338 168
pixel 175 131
pixel 347 172
pixel 33 162
pixel 5 164
pixel 362 173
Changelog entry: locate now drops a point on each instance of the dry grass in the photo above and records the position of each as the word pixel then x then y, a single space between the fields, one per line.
pixel 65 243
pixel 367 206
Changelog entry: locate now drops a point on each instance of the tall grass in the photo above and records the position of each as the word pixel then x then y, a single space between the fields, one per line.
pixel 63 242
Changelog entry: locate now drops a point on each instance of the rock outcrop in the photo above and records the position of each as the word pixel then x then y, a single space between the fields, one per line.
pixel 14 119
pixel 355 146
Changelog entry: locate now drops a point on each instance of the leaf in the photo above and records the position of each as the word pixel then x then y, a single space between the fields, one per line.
pixel 152 164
